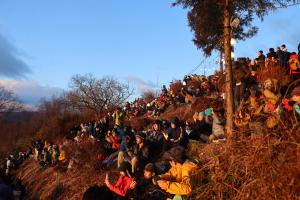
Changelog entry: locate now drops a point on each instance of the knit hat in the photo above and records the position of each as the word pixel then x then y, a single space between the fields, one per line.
pixel 296 91
pixel 158 122
pixel 176 154
pixel 141 135
pixel 202 113
pixel 149 168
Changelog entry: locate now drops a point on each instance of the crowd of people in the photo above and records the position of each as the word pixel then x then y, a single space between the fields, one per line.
pixel 151 160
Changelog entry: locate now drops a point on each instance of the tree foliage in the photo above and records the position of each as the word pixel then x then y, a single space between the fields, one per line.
pixel 94 94
pixel 206 19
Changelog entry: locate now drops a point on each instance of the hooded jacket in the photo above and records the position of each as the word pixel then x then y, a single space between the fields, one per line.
pixel 122 186
pixel 177 179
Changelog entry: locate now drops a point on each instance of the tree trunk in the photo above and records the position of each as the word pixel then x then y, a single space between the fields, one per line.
pixel 221 62
pixel 229 73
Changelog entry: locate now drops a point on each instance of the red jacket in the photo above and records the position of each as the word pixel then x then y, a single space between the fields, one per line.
pixel 116 141
pixel 122 185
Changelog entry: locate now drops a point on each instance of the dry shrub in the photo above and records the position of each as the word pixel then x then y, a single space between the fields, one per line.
pixel 84 153
pixel 253 168
pixel 194 82
pixel 139 123
pixel 58 125
pixel 275 71
pixel 176 87
pixel 202 103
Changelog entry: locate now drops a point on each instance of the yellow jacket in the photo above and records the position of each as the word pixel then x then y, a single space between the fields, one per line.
pixel 271 97
pixel 119 118
pixel 177 179
pixel 62 156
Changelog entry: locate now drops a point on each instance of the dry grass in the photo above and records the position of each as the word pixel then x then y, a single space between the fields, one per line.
pixel 273 71
pixel 265 167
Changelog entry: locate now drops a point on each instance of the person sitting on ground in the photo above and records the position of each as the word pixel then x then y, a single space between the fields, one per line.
pixel 294 65
pixel 145 189
pixel 155 138
pixel 54 154
pixel 126 146
pixel 174 135
pixel 219 122
pixel 271 95
pixel 204 126
pixel 45 158
pixel 119 116
pixel 177 180
pixel 62 155
pixel 138 155
pixel 114 140
pixel 124 184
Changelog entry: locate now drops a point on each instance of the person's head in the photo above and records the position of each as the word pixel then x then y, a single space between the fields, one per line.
pixel 173 161
pixel 260 52
pixel 174 122
pixel 139 138
pixel 156 125
pixel 149 171
pixel 125 169
pixel 268 84
pixel 165 124
pixel 277 48
pixel 96 192
pixel 196 117
pixel 127 139
pixel 201 116
pixel 271 50
pixel 295 95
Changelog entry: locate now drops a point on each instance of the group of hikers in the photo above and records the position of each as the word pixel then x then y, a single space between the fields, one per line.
pixel 151 159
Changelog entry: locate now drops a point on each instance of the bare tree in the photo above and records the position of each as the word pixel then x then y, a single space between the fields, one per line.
pixel 148 95
pixel 94 94
pixel 8 101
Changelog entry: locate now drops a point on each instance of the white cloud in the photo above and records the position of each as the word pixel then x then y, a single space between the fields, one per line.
pixel 142 86
pixel 30 92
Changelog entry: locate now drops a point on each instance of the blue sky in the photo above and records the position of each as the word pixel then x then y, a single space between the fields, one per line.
pixel 141 41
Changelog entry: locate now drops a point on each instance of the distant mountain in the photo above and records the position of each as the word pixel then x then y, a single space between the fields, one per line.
pixel 24 116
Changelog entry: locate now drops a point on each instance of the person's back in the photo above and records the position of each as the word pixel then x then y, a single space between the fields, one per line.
pixel 177 180
pixel 96 193
pixel 272 54
pixel 218 125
